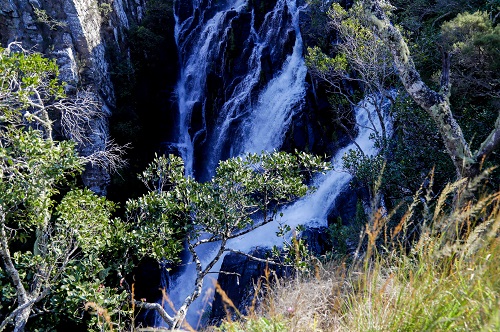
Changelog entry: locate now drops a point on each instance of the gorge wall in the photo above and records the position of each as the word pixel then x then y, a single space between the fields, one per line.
pixel 78 34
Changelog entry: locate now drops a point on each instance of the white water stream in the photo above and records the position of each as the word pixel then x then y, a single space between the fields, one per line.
pixel 266 120
pixel 280 98
pixel 312 211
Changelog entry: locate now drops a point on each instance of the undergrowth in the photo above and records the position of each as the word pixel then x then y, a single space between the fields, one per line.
pixel 435 269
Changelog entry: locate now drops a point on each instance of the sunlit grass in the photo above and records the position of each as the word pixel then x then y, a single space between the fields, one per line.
pixel 447 280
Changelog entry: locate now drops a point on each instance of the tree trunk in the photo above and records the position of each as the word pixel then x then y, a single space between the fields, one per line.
pixel 436 104
pixel 24 300
pixel 22 318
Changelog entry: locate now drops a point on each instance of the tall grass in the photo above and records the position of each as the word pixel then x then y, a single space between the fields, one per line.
pixel 434 269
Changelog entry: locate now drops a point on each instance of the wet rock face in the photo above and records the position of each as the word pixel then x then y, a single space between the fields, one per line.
pixel 243 274
pixel 77 34
pixel 238 284
pixel 318 240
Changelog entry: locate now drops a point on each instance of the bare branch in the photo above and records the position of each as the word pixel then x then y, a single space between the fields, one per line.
pixel 22 307
pixel 445 73
pixel 226 273
pixel 248 230
pixel 77 113
pixel 111 158
pixel 267 261
pixel 6 258
pixel 14 313
pixel 159 309
pixel 490 143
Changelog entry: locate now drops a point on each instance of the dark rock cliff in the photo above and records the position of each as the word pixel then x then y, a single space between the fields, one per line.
pixel 247 52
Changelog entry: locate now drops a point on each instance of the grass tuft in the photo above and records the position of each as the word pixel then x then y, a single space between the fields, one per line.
pixel 445 278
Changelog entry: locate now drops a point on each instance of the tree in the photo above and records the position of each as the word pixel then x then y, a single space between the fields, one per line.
pixel 52 245
pixel 360 61
pixel 435 103
pixel 358 72
pixel 474 45
pixel 368 45
pixel 244 194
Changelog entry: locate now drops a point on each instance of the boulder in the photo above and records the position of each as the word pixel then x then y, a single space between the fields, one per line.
pixel 239 282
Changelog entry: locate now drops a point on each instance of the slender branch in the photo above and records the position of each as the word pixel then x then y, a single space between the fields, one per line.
pixel 224 272
pixel 14 313
pixel 111 158
pixel 267 261
pixel 248 230
pixel 159 309
pixel 217 256
pixel 9 265
pixel 445 74
pixel 20 308
pixel 213 238
pixel 490 143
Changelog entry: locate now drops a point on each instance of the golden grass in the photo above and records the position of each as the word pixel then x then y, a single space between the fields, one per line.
pixel 449 280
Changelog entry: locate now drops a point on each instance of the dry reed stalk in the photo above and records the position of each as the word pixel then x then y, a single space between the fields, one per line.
pixel 101 312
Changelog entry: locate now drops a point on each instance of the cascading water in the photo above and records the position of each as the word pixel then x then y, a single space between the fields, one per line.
pixel 261 80
pixel 237 93
pixel 312 210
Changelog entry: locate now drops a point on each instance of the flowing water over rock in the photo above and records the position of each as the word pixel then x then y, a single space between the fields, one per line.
pixel 242 78
pixel 237 92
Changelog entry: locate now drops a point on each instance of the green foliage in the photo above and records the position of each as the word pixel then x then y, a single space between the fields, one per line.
pixel 56 240
pixel 358 59
pixel 160 216
pixel 314 27
pixel 31 167
pixel 244 194
pixel 473 77
pixel 414 150
pixel 105 9
pixel 475 45
pixel 27 73
pixel 342 233
pixel 258 324
pixel 43 17
pixel 87 218
pixel 365 169
pixel 294 252
pixel 317 59
pixel 357 42
pixel 242 188
pixel 357 51
pixel 149 37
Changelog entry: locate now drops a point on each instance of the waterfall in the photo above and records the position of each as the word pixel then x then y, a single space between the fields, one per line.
pixel 312 210
pixel 247 98
pixel 238 95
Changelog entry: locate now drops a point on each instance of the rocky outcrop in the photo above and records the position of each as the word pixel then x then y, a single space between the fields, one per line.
pixel 77 33
pixel 239 276
pixel 238 280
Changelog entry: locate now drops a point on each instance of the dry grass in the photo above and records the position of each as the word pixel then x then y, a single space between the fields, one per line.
pixel 446 281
